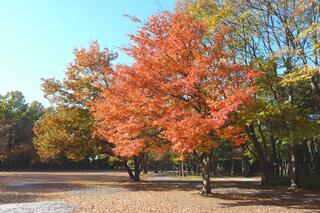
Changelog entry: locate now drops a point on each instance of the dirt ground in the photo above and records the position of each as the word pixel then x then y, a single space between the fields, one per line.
pixel 112 192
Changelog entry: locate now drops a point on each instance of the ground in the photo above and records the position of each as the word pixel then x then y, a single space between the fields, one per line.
pixel 112 192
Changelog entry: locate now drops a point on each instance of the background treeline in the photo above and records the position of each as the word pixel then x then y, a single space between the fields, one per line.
pixel 279 38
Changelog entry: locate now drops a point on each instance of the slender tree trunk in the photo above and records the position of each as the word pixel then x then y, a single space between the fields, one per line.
pixel 281 166
pixel 188 167
pixel 205 164
pixel 145 164
pixel 232 166
pixel 275 160
pixel 214 165
pixel 294 168
pixel 182 169
pixel 307 162
pixel 244 163
pixel 314 147
pixel 264 167
pixel 156 167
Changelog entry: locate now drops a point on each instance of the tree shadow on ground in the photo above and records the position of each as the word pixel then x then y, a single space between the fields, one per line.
pixel 241 193
pixel 43 187
pixel 17 198
pixel 28 187
pixel 262 199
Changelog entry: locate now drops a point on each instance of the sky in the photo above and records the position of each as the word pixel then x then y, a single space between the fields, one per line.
pixel 37 36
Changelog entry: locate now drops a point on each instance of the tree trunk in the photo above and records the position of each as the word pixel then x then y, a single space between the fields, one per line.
pixel 294 169
pixel 195 163
pixel 156 167
pixel 188 167
pixel 145 164
pixel 131 175
pixel 136 177
pixel 214 165
pixel 182 169
pixel 244 163
pixel 265 178
pixel 275 160
pixel 205 164
pixel 232 165
pixel 307 163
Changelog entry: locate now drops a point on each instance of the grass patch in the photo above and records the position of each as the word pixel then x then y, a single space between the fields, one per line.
pixel 189 177
pixel 312 182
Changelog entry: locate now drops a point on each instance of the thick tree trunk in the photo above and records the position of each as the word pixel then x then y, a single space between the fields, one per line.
pixel 265 178
pixel 131 175
pixel 205 164
pixel 135 174
pixel 136 177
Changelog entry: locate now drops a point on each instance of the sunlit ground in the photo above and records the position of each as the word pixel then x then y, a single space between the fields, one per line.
pixel 112 192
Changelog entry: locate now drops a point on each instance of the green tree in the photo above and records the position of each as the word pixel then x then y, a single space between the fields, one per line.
pixel 66 133
pixel 20 118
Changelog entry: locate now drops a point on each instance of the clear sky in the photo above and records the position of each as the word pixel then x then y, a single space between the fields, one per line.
pixel 37 36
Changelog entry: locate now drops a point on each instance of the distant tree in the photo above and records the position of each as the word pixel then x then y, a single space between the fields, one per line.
pixel 67 134
pixel 18 118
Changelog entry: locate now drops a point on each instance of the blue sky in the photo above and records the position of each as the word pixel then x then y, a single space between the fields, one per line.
pixel 37 36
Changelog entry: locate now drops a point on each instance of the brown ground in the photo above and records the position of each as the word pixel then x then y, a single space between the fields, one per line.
pixel 111 192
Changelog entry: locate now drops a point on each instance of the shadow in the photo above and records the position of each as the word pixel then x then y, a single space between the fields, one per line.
pixel 158 186
pixel 43 187
pixel 261 199
pixel 17 198
pixel 26 187
pixel 241 193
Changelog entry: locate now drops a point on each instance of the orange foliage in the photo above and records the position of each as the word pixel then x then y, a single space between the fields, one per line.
pixel 180 90
pixel 85 78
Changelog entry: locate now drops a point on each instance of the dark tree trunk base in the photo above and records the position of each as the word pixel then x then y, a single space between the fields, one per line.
pixel 205 192
pixel 293 187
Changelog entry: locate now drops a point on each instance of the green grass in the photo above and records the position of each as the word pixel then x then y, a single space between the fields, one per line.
pixel 312 182
pixel 189 177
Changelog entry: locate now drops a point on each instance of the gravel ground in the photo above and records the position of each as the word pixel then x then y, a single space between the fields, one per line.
pixel 111 192
pixel 38 207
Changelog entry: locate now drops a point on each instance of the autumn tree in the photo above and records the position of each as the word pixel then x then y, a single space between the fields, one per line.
pixel 67 132
pixel 279 38
pixel 181 89
pixel 85 78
